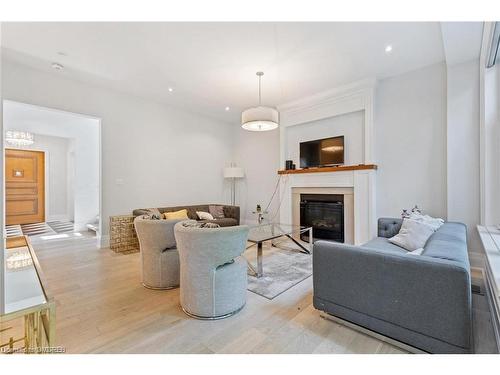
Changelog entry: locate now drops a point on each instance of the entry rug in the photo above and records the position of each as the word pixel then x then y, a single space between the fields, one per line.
pixel 39 229
pixel 284 267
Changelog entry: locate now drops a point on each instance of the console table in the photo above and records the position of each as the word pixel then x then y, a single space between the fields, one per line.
pixel 28 304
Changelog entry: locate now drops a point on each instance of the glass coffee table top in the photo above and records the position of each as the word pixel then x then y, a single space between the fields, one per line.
pixel 258 234
pixel 270 231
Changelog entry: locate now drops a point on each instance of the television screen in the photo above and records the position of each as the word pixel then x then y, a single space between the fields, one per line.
pixel 322 152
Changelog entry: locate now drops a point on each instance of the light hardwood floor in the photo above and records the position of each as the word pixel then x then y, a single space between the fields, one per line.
pixel 102 308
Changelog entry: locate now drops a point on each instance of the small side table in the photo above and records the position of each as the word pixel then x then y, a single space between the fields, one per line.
pixel 122 235
pixel 260 215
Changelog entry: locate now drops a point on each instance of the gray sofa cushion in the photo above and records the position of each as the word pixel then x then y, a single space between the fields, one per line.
pixel 383 244
pixel 449 243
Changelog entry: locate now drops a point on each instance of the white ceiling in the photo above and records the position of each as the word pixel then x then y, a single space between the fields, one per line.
pixel 461 40
pixel 213 65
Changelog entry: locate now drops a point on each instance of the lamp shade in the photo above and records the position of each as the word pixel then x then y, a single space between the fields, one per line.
pixel 260 119
pixel 234 172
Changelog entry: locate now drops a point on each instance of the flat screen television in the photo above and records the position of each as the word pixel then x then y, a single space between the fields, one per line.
pixel 322 152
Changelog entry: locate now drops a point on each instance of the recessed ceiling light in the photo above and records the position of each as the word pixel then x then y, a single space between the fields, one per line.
pixel 170 89
pixel 227 109
pixel 57 66
pixel 388 48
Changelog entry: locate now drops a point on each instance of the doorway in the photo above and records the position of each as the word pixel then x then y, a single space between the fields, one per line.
pixel 24 187
pixel 52 172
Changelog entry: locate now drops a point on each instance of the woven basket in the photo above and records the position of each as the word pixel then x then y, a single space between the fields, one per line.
pixel 122 236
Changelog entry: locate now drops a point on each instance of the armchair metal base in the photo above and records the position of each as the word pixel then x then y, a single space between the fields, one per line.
pixel 212 317
pixel 157 288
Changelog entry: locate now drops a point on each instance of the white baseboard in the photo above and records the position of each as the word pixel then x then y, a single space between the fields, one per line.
pixel 79 227
pixel 61 217
pixel 104 241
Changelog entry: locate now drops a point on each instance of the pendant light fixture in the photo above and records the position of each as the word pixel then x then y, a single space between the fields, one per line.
pixel 261 118
pixel 19 138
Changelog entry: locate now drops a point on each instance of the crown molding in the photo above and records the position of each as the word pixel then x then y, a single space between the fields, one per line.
pixel 357 96
pixel 333 95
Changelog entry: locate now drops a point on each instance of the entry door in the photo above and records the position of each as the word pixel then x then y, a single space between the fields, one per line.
pixel 24 186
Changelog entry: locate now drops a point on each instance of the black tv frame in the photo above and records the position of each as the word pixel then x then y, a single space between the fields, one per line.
pixel 324 165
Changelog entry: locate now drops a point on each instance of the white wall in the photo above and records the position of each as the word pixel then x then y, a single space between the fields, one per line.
pixel 410 142
pixel 152 154
pixel 350 125
pixel 463 147
pixel 258 153
pixel 56 173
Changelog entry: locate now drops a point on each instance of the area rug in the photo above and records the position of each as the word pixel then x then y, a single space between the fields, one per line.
pixel 284 267
pixel 39 229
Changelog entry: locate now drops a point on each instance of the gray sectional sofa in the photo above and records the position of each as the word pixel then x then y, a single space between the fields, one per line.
pixel 231 213
pixel 423 301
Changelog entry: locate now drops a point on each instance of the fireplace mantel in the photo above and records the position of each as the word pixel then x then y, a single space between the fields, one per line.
pixel 361 183
pixel 340 168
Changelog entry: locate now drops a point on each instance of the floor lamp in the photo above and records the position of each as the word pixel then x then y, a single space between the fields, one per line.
pixel 233 173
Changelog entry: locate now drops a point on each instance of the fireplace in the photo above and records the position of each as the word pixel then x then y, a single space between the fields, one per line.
pixel 325 213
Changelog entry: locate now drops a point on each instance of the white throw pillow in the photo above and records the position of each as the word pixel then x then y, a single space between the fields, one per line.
pixel 416 252
pixel 204 215
pixel 435 223
pixel 413 235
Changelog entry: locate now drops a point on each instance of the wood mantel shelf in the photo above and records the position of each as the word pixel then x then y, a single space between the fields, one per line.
pixel 342 168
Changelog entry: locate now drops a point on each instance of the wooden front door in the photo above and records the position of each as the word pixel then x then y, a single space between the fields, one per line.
pixel 24 186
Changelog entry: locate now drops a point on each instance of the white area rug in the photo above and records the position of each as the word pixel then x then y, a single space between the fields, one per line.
pixel 284 267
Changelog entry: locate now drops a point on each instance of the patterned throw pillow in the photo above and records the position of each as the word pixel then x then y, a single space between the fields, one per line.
pixel 216 211
pixel 210 225
pixel 152 214
pixel 196 224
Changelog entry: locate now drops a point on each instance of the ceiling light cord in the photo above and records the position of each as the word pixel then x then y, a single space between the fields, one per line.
pixel 260 99
pixel 260 74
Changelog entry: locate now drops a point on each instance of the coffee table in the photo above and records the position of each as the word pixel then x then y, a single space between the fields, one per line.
pixel 261 233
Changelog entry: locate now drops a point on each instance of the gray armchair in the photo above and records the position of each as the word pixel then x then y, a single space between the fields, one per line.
pixel 213 272
pixel 159 255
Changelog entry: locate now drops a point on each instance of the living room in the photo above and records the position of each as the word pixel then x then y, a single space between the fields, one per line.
pixel 256 187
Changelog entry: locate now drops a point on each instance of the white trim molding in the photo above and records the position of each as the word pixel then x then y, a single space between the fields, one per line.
pixel 490 238
pixel 103 240
pixel 358 96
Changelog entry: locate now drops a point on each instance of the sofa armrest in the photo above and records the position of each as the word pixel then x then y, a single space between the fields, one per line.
pixel 232 212
pixel 426 295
